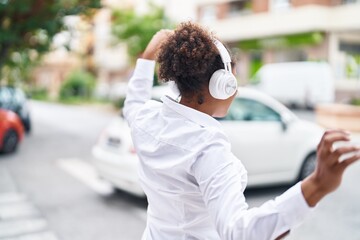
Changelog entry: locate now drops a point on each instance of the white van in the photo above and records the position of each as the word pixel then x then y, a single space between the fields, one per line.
pixel 303 84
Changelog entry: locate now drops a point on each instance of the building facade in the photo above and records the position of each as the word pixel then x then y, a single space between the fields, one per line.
pixel 269 31
pixel 262 31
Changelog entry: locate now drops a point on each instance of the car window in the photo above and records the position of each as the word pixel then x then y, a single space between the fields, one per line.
pixel 243 109
pixel 19 95
pixel 4 96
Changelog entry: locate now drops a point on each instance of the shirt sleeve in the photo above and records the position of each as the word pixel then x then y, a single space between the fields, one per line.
pixel 139 88
pixel 221 186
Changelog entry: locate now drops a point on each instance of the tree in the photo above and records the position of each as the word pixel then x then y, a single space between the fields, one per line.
pixel 137 30
pixel 28 27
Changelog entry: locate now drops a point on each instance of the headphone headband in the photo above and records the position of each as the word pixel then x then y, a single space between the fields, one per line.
pixel 224 54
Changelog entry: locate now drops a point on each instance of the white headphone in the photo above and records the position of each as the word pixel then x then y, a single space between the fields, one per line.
pixel 223 83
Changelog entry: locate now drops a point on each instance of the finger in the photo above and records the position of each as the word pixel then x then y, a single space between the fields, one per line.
pixel 347 162
pixel 346 149
pixel 330 131
pixel 165 34
pixel 331 138
pixel 165 31
pixel 168 31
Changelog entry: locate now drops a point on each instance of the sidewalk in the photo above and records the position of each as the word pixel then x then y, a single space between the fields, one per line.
pixel 19 218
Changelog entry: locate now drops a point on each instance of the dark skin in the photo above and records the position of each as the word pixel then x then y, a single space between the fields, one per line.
pixel 329 170
pixel 209 105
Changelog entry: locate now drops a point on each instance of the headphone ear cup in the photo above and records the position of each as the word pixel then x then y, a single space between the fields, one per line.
pixel 222 84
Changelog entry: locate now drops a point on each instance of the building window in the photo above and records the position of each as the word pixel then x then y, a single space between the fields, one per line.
pixel 349 1
pixel 237 8
pixel 208 13
pixel 280 4
pixel 352 60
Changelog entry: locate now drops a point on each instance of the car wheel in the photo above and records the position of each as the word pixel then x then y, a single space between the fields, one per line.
pixel 10 142
pixel 308 166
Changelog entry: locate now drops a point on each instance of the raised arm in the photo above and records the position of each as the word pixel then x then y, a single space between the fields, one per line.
pixel 221 185
pixel 220 177
pixel 140 84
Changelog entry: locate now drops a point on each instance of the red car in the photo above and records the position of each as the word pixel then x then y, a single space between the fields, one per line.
pixel 11 131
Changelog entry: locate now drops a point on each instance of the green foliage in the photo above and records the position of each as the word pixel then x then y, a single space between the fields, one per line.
pixel 137 30
pixel 18 69
pixel 38 94
pixel 288 41
pixel 355 101
pixel 78 86
pixel 255 65
pixel 352 66
pixel 119 103
pixel 28 27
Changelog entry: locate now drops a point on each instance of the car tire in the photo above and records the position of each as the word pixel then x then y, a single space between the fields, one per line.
pixel 10 143
pixel 308 166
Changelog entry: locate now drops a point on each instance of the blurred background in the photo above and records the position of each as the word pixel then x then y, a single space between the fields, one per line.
pixel 67 164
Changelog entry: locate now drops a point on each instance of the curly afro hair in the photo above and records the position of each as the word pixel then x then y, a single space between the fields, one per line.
pixel 189 57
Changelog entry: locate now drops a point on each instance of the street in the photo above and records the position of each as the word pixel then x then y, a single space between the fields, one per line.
pixel 49 190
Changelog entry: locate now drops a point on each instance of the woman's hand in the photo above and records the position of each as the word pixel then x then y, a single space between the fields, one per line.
pixel 155 42
pixel 329 170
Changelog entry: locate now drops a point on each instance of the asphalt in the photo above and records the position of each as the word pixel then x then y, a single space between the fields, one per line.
pixel 38 201
pixel 20 219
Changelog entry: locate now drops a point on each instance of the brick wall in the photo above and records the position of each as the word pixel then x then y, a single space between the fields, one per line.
pixel 222 10
pixel 260 6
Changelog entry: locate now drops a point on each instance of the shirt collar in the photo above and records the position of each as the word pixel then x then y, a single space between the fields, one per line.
pixel 193 115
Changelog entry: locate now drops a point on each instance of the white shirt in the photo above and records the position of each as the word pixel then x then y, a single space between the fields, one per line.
pixel 193 182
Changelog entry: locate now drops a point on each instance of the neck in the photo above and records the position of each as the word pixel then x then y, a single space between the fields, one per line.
pixel 194 104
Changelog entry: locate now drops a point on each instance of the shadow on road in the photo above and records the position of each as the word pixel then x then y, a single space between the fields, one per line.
pixel 125 198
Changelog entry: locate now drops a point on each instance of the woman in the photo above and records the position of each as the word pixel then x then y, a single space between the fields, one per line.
pixel 194 184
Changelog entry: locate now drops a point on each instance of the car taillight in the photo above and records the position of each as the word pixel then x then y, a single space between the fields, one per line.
pixel 132 150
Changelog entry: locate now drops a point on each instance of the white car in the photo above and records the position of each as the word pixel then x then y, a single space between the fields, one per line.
pixel 273 144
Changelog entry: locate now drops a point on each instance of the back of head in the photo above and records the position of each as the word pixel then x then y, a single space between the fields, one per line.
pixel 189 57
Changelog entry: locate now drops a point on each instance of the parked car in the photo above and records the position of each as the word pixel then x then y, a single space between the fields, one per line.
pixel 14 99
pixel 301 84
pixel 274 145
pixel 11 131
